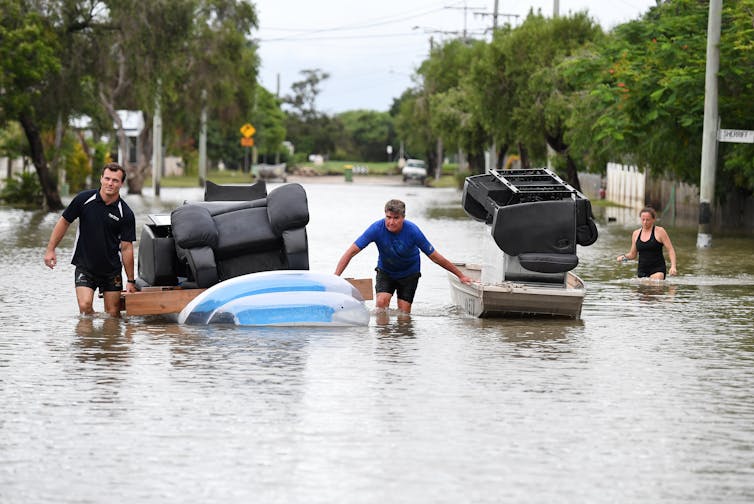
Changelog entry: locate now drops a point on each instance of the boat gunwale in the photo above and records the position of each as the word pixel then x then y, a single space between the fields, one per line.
pixel 572 293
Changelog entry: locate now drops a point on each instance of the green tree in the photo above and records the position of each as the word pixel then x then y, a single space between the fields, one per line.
pixel 367 133
pixel 22 190
pixel 490 93
pixel 411 117
pixel 539 112
pixel 303 100
pixel 441 73
pixel 69 57
pixel 150 49
pixel 13 143
pixel 221 63
pixel 29 69
pixel 223 145
pixel 310 130
pixel 453 112
pixel 644 102
pixel 269 120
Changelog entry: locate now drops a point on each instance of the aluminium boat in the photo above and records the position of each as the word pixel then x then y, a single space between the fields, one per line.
pixel 536 220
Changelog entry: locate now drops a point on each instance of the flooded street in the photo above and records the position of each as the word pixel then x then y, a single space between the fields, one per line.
pixel 647 398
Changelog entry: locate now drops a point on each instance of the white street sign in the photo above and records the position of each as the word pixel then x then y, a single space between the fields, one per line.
pixel 737 136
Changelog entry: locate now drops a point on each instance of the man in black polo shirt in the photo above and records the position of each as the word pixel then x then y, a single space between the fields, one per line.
pixel 104 242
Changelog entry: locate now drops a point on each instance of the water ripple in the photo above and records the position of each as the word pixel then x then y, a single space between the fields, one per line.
pixel 647 398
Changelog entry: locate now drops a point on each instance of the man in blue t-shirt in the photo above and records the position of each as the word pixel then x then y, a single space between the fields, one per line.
pixel 398 265
pixel 104 242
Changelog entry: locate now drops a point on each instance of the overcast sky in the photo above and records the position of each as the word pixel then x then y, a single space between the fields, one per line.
pixel 371 49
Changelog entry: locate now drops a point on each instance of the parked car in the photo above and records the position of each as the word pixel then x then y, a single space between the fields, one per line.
pixel 414 169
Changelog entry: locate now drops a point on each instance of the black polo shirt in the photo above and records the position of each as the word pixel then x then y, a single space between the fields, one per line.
pixel 101 229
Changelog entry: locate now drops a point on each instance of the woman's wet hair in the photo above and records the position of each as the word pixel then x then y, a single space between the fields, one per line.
pixel 396 206
pixel 649 210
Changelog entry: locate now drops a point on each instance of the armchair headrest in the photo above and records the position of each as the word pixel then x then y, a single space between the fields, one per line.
pixel 193 227
pixel 287 208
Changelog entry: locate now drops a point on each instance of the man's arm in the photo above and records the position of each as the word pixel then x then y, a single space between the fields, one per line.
pixel 438 258
pixel 127 253
pixel 58 232
pixel 346 258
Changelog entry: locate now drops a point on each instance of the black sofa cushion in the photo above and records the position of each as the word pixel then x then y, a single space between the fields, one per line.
pixel 287 208
pixel 243 231
pixel 193 226
pixel 549 263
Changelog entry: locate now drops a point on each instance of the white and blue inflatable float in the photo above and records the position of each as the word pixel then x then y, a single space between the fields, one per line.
pixel 279 298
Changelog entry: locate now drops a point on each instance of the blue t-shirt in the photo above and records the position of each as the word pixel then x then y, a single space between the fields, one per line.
pixel 101 229
pixel 398 252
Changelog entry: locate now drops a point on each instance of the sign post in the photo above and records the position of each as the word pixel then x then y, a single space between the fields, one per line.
pixel 247 130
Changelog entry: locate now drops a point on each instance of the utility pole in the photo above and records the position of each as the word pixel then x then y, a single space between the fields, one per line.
pixel 496 14
pixel 203 141
pixel 555 8
pixel 157 142
pixel 465 11
pixel 438 171
pixel 711 123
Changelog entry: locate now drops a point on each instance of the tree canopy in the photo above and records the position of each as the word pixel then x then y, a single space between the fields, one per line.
pixel 634 94
pixel 64 58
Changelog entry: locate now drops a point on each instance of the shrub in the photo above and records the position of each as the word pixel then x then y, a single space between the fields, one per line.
pixel 23 190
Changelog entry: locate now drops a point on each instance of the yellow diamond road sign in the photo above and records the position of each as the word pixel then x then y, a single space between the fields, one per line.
pixel 247 130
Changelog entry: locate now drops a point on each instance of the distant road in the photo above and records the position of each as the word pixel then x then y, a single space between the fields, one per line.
pixel 340 179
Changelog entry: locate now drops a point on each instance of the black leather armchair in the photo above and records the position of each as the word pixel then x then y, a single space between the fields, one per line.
pixel 218 240
pixel 541 237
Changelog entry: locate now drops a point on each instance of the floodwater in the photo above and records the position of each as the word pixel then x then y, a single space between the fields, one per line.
pixel 647 398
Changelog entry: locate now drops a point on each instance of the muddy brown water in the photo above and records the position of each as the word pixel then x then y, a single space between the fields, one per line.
pixel 647 398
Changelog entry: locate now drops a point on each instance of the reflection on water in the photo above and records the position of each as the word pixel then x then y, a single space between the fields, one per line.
pixel 102 337
pixel 651 388
pixel 393 321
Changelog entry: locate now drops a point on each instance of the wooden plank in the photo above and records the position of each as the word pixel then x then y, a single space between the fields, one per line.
pixel 157 300
pixel 163 300
pixel 364 285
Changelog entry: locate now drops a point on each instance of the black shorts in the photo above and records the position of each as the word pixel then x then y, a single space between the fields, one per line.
pixel 405 286
pixel 105 283
pixel 644 271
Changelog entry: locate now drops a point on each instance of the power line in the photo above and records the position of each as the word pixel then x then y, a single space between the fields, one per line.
pixel 465 8
pixel 336 37
pixel 350 27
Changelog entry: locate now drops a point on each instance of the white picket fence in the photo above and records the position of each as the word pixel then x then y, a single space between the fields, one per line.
pixel 10 167
pixel 626 185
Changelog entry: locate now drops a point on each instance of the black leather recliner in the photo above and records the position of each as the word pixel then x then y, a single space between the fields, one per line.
pixel 235 231
pixel 540 237
pixel 218 240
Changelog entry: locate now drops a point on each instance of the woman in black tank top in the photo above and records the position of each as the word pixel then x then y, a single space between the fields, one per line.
pixel 647 243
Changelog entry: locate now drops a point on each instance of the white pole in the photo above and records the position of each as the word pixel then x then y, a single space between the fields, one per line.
pixel 203 141
pixel 709 131
pixel 157 146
